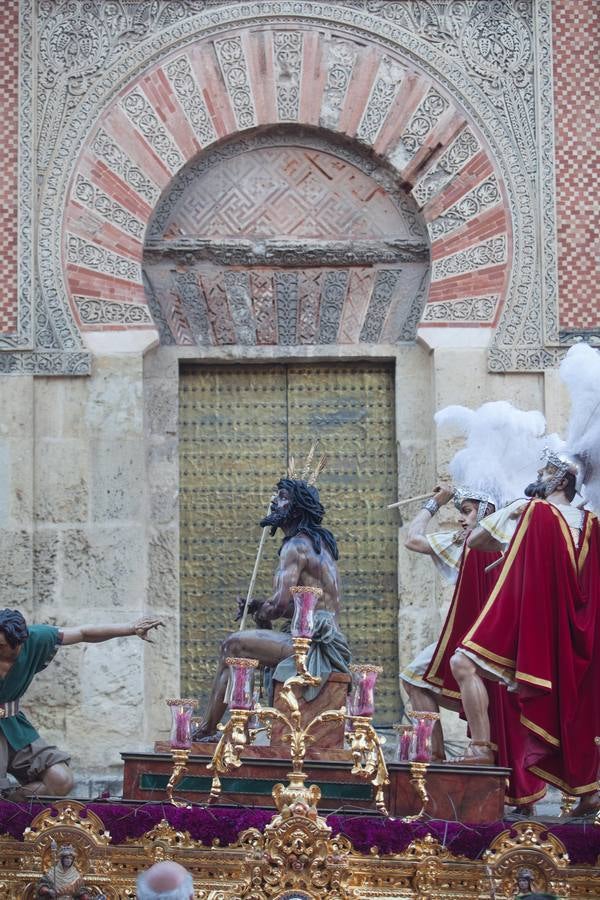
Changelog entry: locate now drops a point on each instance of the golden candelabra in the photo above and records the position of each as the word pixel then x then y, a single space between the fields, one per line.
pixel 418 771
pixel 181 711
pixel 296 796
pixel 417 767
pixel 180 758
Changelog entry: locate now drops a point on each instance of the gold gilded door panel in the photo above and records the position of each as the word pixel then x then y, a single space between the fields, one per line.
pixel 232 451
pixel 237 426
pixel 350 407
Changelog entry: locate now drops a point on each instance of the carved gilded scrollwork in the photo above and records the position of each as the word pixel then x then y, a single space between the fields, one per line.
pixel 163 842
pixel 429 857
pixel 295 854
pixel 67 814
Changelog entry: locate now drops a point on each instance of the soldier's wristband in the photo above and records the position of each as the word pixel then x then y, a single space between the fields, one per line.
pixel 432 506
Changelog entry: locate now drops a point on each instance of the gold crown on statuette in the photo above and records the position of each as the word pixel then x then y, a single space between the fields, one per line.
pixel 308 473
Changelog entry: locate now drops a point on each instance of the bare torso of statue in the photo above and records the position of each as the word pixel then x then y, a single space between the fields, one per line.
pixel 307 557
pixel 299 564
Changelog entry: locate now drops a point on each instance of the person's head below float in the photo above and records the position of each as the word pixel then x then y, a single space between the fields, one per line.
pixel 13 633
pixel 165 880
pixel 297 509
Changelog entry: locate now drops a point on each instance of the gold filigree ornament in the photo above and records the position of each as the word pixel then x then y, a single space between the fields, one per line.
pixel 528 845
pixel 67 814
pixel 180 756
pixel 180 759
pixel 163 842
pixel 67 822
pixel 296 798
pixel 367 757
pixel 295 854
pixel 429 857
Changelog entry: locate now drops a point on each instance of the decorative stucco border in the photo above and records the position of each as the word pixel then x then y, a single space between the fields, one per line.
pixel 527 336
pixel 22 338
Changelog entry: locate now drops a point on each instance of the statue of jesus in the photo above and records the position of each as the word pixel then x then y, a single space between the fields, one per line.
pixel 308 557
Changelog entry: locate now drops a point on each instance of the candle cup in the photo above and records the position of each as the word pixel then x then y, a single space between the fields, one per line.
pixel 348 723
pixel 364 678
pixel 404 735
pixel 241 675
pixel 305 601
pixel 180 737
pixel 420 746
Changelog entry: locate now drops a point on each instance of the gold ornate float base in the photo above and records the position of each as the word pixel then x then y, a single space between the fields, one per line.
pixel 295 853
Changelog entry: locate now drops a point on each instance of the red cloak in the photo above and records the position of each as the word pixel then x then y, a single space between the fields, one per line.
pixel 541 628
pixel 472 589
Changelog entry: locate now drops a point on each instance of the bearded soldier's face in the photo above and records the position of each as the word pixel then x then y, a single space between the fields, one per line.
pixel 545 480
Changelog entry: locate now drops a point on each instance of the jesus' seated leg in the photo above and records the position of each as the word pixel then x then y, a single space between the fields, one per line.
pixel 268 647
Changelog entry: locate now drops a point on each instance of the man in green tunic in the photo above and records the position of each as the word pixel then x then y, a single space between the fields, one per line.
pixel 39 767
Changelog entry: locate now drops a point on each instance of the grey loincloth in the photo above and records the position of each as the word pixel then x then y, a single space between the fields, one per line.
pixel 328 652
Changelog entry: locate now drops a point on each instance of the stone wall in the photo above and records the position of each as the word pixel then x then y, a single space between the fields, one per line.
pixel 78 546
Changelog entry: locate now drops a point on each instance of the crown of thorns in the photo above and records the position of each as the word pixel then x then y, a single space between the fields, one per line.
pixel 308 473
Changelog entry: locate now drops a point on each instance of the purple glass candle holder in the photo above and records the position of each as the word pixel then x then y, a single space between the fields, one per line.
pixel 404 735
pixel 180 737
pixel 420 746
pixel 364 678
pixel 305 601
pixel 241 674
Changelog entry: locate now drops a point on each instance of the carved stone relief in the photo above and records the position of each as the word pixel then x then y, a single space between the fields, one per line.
pixel 188 93
pixel 287 47
pixel 108 311
pixel 421 123
pixel 383 93
pixel 235 73
pixel 293 200
pixel 494 57
pixel 473 309
pixel 90 196
pixel 480 199
pixel 489 253
pixel 107 150
pixel 136 107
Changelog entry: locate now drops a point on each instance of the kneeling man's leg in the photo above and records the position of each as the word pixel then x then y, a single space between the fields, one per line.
pixel 42 770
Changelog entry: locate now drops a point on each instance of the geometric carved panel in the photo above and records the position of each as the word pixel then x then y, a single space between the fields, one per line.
pixel 282 240
pixel 286 191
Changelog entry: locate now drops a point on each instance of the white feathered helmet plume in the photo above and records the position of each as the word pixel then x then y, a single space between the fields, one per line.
pixel 502 451
pixel 580 371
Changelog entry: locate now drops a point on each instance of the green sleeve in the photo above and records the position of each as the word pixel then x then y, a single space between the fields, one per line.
pixel 45 641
